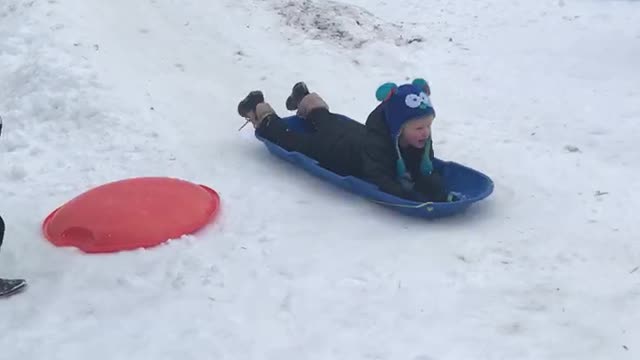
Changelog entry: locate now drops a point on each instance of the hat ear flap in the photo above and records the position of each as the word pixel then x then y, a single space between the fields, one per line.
pixel 423 85
pixel 385 91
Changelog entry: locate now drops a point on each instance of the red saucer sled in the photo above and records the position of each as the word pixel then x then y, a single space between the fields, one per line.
pixel 130 214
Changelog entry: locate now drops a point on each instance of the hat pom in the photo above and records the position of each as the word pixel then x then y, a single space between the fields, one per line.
pixel 423 85
pixel 385 91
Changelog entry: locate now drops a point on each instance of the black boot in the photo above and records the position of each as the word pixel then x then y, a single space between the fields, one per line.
pixel 299 91
pixel 249 103
pixel 11 286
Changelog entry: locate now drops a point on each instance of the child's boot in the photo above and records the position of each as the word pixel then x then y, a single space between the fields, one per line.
pixel 298 92
pixel 248 104
pixel 310 102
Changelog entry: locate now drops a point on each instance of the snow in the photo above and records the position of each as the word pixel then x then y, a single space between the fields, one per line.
pixel 542 96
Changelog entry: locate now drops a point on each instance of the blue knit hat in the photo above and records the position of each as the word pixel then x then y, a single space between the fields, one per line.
pixel 402 104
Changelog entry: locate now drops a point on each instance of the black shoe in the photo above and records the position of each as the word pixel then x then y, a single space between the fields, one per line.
pixel 11 286
pixel 249 103
pixel 299 91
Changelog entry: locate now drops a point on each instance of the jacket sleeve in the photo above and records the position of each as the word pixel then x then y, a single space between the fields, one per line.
pixel 379 167
pixel 432 187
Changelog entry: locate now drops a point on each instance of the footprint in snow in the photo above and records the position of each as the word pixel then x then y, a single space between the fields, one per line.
pixel 18 173
pixel 572 149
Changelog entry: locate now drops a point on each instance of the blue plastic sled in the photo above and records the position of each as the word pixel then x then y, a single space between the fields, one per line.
pixel 473 184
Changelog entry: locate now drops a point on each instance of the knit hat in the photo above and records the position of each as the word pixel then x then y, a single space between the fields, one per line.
pixel 402 104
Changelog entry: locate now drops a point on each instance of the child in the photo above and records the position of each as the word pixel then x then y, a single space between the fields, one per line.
pixel 392 150
pixel 397 154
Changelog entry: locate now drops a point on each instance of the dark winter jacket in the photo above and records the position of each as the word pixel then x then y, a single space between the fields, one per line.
pixel 379 158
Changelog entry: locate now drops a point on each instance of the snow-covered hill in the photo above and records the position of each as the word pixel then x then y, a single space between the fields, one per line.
pixel 542 96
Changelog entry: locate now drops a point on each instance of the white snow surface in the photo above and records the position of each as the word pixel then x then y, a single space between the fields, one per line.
pixel 543 96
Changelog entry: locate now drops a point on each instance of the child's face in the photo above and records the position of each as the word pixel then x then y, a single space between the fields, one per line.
pixel 416 132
